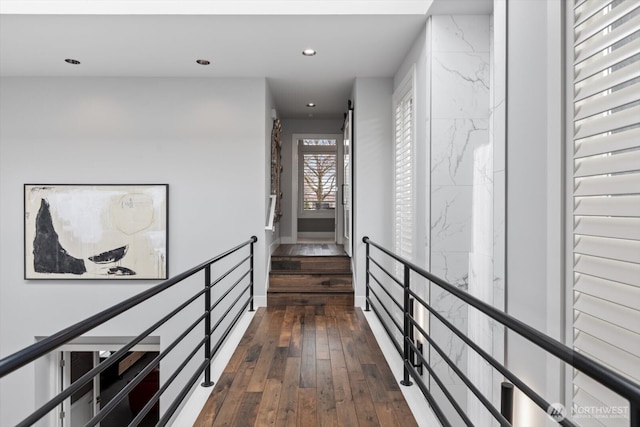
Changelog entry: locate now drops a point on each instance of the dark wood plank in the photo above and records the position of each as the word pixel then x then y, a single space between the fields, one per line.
pixel 290 298
pixel 311 264
pixel 215 401
pixel 236 359
pixel 390 381
pixel 252 354
pixel 325 396
pixel 308 249
pixel 307 407
pixel 322 340
pixel 316 378
pixel 387 415
pixel 229 408
pixel 287 326
pixel 288 405
pixel 278 364
pixel 263 364
pixel 345 407
pixel 301 282
pixel 248 336
pixel 351 358
pixel 402 409
pixel 365 408
pixel 268 410
pixel 376 384
pixel 247 409
pixel 295 343
pixel 308 361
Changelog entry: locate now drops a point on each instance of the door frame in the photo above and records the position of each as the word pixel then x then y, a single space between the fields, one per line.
pixel 295 187
pixel 86 344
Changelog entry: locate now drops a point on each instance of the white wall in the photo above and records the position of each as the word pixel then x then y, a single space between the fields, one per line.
pixel 204 137
pixel 534 207
pixel 373 154
pixel 289 128
pixel 271 237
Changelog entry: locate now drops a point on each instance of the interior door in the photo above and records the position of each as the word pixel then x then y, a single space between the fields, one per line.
pixel 347 186
pixel 85 403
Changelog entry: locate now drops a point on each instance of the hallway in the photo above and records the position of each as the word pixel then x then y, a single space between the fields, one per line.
pixel 304 366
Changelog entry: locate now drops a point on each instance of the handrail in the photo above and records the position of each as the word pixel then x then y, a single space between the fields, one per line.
pixel 602 374
pixel 33 352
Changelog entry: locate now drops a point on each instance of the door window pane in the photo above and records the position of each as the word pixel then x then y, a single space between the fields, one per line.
pixel 319 181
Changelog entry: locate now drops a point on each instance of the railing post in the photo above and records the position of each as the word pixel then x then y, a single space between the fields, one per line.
pixel 207 326
pixel 367 308
pixel 634 416
pixel 253 240
pixel 407 326
pixel 412 353
pixel 506 401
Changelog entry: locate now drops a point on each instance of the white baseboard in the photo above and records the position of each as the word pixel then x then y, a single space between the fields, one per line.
pixel 273 246
pixel 288 240
pixel 259 301
pixel 360 301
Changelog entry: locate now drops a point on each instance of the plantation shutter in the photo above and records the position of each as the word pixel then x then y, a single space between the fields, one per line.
pixel 403 169
pixel 606 195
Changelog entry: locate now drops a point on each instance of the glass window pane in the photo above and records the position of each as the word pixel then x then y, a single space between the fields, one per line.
pixel 319 181
pixel 329 142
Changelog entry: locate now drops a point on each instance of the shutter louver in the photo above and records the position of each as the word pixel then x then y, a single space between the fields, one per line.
pixel 403 170
pixel 606 196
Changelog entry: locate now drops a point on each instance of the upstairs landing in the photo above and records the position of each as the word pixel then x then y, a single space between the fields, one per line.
pixel 307 366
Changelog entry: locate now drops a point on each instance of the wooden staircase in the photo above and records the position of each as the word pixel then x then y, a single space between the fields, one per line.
pixel 310 274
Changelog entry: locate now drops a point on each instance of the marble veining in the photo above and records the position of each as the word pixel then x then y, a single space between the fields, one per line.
pixel 461 85
pixel 465 223
pixel 461 33
pixel 454 142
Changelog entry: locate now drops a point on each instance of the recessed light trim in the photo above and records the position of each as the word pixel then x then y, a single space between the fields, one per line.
pixel 311 104
pixel 72 61
pixel 203 61
pixel 309 52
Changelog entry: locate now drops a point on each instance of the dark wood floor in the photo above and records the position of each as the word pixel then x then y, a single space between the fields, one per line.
pixel 310 249
pixel 307 366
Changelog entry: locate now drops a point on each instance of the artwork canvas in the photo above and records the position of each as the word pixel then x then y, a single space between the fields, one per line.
pixel 95 231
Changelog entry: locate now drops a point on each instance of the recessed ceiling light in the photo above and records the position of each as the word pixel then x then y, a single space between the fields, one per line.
pixel 311 104
pixel 72 61
pixel 309 52
pixel 203 62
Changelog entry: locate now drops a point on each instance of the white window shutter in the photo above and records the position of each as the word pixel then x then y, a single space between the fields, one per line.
pixel 404 169
pixel 606 193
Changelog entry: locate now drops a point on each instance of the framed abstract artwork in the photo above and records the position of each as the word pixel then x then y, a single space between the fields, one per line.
pixel 87 231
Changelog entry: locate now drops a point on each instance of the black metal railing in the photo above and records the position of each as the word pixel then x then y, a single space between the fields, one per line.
pixel 235 308
pixel 414 360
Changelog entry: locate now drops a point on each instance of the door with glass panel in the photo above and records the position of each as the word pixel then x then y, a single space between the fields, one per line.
pixel 347 146
pixel 320 173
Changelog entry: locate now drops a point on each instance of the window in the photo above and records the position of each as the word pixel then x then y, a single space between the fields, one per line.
pixel 403 110
pixel 318 176
pixel 606 193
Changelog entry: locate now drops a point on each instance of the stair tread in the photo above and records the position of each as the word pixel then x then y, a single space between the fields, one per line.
pixel 310 273
pixel 309 256
pixel 287 299
pixel 302 290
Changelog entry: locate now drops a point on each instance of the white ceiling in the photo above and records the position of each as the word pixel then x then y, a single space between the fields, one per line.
pixel 270 46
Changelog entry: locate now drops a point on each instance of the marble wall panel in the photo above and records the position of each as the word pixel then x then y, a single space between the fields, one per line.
pixel 461 33
pixel 462 220
pixel 454 142
pixel 460 85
